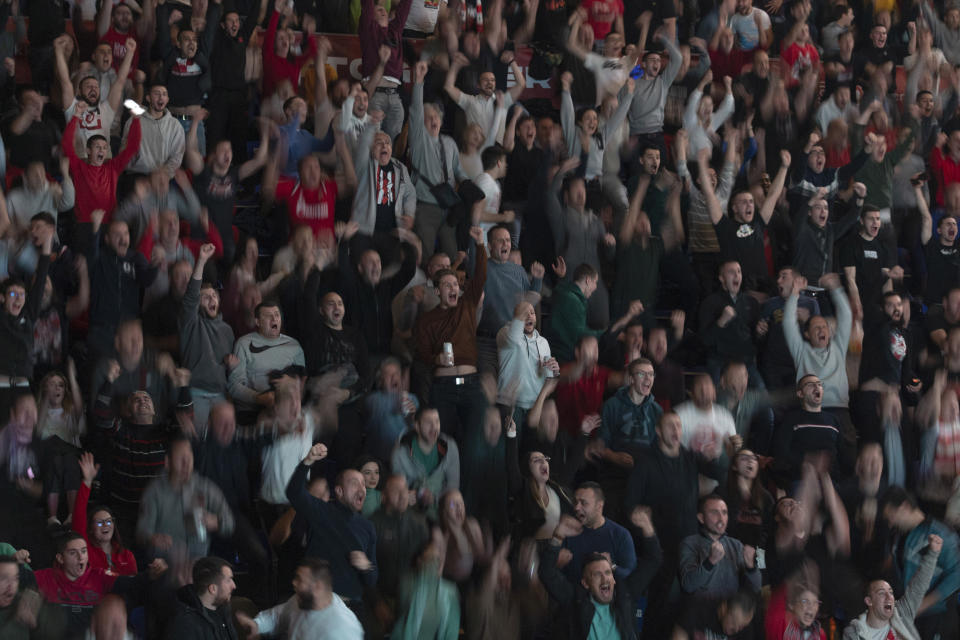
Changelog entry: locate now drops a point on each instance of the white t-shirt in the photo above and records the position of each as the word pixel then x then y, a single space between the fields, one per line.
pixel 701 429
pixel 423 15
pixel 334 622
pixel 281 458
pixel 551 515
pixel 493 193
pixel 610 74
pixel 482 110
pixel 745 28
pixel 95 121
pixel 868 632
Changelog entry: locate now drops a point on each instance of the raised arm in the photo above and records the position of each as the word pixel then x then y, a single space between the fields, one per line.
pixel 926 221
pixel 567 116
pixel 191 152
pixel 449 84
pixel 61 50
pixel 259 159
pixel 104 13
pixel 629 226
pixel 116 89
pixel 770 202
pixel 521 81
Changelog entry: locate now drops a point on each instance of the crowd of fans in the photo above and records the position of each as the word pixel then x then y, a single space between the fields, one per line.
pixel 601 321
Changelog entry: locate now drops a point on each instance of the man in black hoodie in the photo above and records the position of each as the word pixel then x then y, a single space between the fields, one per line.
pixel 203 608
pixel 228 100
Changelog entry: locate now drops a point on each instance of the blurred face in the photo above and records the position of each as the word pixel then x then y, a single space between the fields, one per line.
pixel 743 207
pixel 381 16
pixel 952 19
pixel 453 508
pixel 428 427
pixel 14 299
pixel 818 332
pixel 529 318
pixel 842 96
pixel 670 432
pixel 9 583
pixel 382 149
pixel 180 462
pixel 870 463
pixel 878 36
pixel 169 227
pixel 449 291
pixel 500 245
pixel 613 45
pixel 641 379
pixel 209 302
pixel 352 492
pixel 735 380
pixel 819 213
pixel 713 517
pixel 651 161
pixel 122 18
pixel 633 338
pixel 54 390
pixel 231 23
pixel 539 466
pixel 871 224
pixel 371 475
pixel 471 45
pixel 527 132
pixel 281 45
pixel 35 177
pixel 438 262
pixel 158 98
pixel 744 7
pixel 785 280
pixel 811 391
pixel 734 620
pixel 24 417
pixel 588 122
pixel 391 377
pixel 90 91
pixel 705 110
pixel 395 494
pixel 731 277
pixel 102 525
pixel 817 159
pixel 544 131
pixel 103 57
pixel 746 464
pixel 269 322
pixel 488 83
pixel 223 423
pixel 118 237
pixel 587 509
pixel 73 559
pixel 657 345
pixel 576 196
pixel 432 119
pixel 370 267
pixel 360 104
pixel 947 229
pixel 97 151
pixel 588 352
pixel 296 110
pixel 129 342
pixel 223 155
pixel 651 65
pixel 954 143
pixel 893 307
pixel 704 393
pixel 599 581
pixel 332 310
pixel 310 173
pixel 305 587
pixel 187 41
pixel 805 608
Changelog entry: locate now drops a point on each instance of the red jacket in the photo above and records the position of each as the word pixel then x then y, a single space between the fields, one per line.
pixel 778 617
pixel 123 562
pixel 945 170
pixel 372 35
pixel 277 69
pixel 96 187
pixel 85 592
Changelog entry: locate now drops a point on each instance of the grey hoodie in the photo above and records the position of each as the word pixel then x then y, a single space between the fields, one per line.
pixel 948 40
pixel 365 202
pixel 445 476
pixel 650 95
pixel 162 144
pixel 905 609
pixel 204 342
pixel 830 363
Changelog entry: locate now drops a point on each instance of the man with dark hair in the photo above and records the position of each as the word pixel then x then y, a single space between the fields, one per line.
pixel 337 531
pixel 728 322
pixel 568 320
pixel 712 564
pixel 494 160
pixel 203 608
pixel 401 533
pixel 712 619
pixel 936 613
pixel 595 606
pixel 163 141
pixel 314 612
pixel 428 459
pixel 257 354
pixel 589 531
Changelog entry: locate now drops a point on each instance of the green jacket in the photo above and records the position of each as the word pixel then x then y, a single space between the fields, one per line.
pixel 568 321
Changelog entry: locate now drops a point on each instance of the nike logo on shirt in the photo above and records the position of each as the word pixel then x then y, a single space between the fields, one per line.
pixel 256 349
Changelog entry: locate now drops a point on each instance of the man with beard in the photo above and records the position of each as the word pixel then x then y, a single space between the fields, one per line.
pixel 588 531
pixel 525 362
pixel 228 98
pixel 206 341
pixel 163 141
pixel 98 117
pixel 884 364
pixel 807 430
pixel 337 531
pixel 712 564
pixel 203 608
pixel 428 459
pixel 115 25
pixel 314 612
pixel 815 233
pixel 869 265
pixel 482 108
pixel 186 67
pixel 776 362
pixel 943 252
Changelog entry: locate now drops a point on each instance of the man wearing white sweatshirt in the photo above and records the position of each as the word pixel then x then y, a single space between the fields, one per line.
pixel 525 362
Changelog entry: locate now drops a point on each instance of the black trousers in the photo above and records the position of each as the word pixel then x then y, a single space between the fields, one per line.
pixel 228 121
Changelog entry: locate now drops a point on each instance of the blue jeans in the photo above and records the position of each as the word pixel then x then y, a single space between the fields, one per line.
pixel 392 107
pixel 201 134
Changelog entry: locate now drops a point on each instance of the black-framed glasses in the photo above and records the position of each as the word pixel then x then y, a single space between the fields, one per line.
pixel 103 523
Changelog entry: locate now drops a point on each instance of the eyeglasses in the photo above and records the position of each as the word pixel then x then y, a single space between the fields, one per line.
pixel 644 374
pixel 804 602
pixel 103 523
pixel 539 459
pixel 17 294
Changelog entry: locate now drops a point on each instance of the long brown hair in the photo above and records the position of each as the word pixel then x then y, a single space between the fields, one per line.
pixel 756 487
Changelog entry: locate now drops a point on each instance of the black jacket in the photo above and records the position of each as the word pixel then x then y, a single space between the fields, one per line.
pixel 193 621
pixel 16 332
pixel 527 513
pixel 577 609
pixel 228 60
